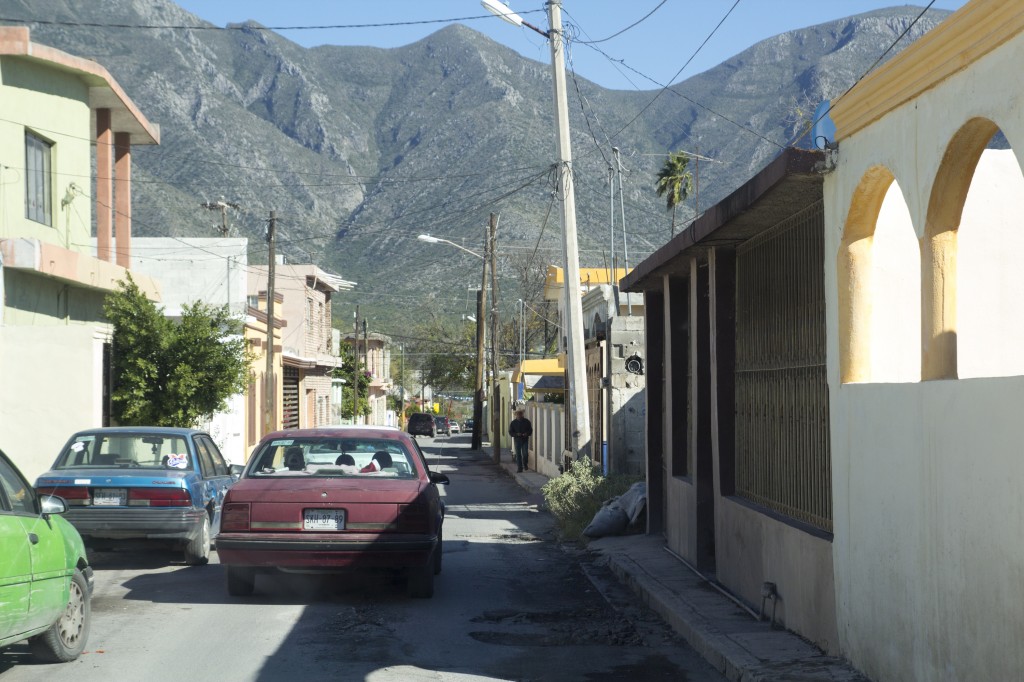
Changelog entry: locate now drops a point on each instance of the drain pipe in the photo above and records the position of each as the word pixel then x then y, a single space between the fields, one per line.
pixel 725 592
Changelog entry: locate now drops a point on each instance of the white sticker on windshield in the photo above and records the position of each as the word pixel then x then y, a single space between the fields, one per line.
pixel 78 446
pixel 83 481
pixel 282 443
pixel 178 461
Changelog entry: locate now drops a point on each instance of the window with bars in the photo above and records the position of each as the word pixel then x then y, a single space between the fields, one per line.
pixel 782 420
pixel 37 179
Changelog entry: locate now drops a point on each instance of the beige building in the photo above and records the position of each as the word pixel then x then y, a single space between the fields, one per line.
pixel 54 343
pixel 924 229
pixel 374 353
pixel 834 362
pixel 306 341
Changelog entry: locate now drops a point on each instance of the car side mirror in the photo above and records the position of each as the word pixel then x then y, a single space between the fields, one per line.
pixel 51 504
pixel 236 470
pixel 439 479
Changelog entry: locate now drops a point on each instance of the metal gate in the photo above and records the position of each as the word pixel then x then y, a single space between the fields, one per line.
pixel 290 393
pixel 595 396
pixel 782 423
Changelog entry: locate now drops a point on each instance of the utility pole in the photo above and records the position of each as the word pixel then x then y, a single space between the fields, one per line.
pixel 366 356
pixel 578 403
pixel 268 384
pixel 401 415
pixel 223 207
pixel 355 370
pixel 477 440
pixel 495 363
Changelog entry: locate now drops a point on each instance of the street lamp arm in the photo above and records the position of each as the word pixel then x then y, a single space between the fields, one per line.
pixel 506 14
pixel 438 240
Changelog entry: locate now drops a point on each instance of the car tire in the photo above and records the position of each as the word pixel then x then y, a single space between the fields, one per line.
pixel 66 638
pixel 420 582
pixel 438 551
pixel 197 549
pixel 241 581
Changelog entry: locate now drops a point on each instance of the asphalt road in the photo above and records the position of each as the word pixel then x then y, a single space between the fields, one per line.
pixel 510 604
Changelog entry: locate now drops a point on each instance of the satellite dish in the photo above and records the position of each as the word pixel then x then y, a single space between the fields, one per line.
pixel 823 132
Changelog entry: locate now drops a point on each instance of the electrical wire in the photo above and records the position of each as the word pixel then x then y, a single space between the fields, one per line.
pixel 863 75
pixel 247 26
pixel 634 24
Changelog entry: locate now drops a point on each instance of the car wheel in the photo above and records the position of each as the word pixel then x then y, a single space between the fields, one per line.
pixel 421 581
pixel 66 638
pixel 241 581
pixel 197 550
pixel 438 551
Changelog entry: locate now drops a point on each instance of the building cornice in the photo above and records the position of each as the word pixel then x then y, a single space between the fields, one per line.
pixel 967 35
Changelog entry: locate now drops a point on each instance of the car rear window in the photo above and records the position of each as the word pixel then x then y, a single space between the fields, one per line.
pixel 126 451
pixel 332 457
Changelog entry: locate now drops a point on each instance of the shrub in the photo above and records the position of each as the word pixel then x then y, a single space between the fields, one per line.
pixel 575 496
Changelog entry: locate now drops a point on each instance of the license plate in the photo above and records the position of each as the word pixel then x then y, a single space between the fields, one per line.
pixel 109 497
pixel 323 519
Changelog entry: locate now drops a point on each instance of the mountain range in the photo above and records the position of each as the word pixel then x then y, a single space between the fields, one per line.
pixel 358 150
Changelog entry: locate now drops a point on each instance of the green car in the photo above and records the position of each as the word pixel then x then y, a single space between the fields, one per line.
pixel 45 578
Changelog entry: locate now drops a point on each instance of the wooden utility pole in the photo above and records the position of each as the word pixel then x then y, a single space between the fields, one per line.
pixel 355 370
pixel 478 400
pixel 269 383
pixel 222 206
pixel 366 357
pixel 495 364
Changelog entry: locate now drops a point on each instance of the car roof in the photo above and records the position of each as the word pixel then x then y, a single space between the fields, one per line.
pixel 159 430
pixel 352 431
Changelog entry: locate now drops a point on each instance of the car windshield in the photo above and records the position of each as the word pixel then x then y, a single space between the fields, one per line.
pixel 333 457
pixel 126 451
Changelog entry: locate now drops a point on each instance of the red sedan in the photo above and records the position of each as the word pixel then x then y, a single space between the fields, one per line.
pixel 334 499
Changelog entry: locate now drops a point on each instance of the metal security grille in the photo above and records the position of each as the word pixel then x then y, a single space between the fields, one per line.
pixel 290 390
pixel 595 396
pixel 782 424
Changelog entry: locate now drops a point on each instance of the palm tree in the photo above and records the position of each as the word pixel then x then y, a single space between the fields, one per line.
pixel 675 181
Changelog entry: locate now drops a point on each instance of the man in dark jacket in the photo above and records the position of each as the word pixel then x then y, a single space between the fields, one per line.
pixel 521 429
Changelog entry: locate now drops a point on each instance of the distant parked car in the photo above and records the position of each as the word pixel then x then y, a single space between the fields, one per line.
pixel 421 424
pixel 454 426
pixel 143 483
pixel 331 500
pixel 469 426
pixel 45 577
pixel 441 425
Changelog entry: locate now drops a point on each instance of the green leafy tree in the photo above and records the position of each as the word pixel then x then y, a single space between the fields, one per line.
pixel 168 373
pixel 674 182
pixel 354 374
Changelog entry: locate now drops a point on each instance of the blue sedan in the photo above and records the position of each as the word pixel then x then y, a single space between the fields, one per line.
pixel 142 483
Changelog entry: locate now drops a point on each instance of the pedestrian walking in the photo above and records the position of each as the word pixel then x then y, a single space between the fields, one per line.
pixel 521 429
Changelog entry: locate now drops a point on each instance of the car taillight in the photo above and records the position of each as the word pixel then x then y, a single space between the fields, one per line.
pixel 413 518
pixel 234 516
pixel 73 495
pixel 159 497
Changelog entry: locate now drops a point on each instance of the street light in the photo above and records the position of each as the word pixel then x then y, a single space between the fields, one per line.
pixel 437 240
pixel 580 417
pixel 478 399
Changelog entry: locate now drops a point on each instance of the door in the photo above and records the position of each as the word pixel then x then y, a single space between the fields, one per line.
pixel 33 570
pixel 15 556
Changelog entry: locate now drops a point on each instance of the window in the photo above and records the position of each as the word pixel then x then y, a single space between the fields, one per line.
pixel 16 494
pixel 37 179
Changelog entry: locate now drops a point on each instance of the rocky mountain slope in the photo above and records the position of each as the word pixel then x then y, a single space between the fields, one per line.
pixel 358 150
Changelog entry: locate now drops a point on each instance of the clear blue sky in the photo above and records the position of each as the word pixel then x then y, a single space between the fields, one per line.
pixel 658 46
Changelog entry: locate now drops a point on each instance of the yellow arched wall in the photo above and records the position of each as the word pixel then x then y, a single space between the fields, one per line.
pixel 853 267
pixel 922 569
pixel 939 250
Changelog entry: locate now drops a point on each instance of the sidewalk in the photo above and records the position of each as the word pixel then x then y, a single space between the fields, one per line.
pixel 740 646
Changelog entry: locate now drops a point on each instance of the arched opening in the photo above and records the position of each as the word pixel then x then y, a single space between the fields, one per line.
pixel 878 273
pixel 990 290
pixel 939 279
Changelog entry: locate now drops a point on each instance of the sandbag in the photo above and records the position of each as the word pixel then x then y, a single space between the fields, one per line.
pixel 609 520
